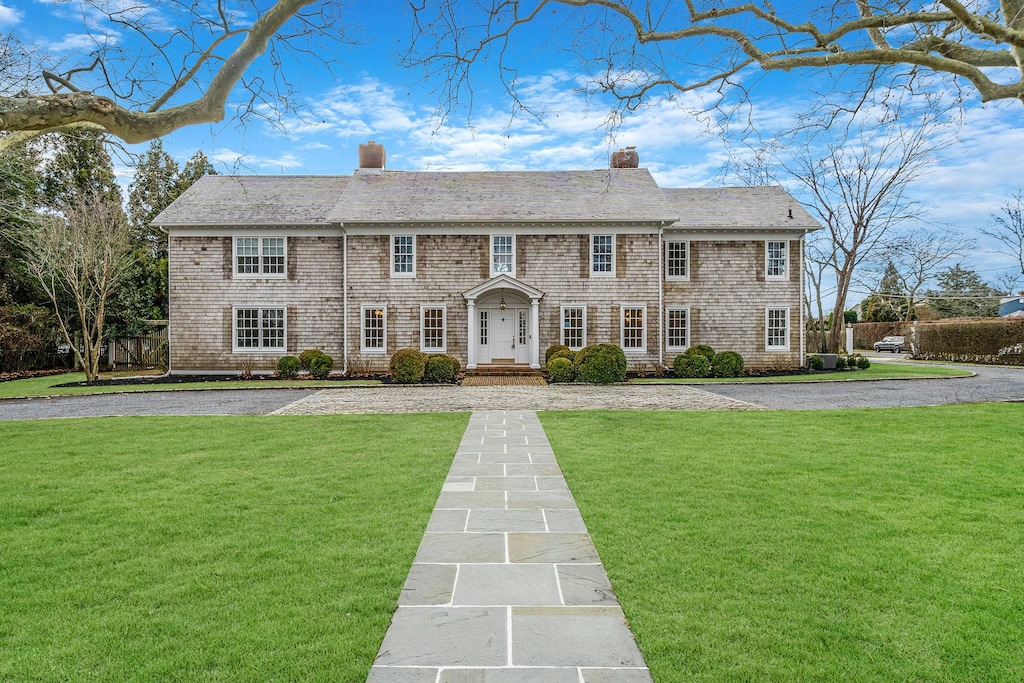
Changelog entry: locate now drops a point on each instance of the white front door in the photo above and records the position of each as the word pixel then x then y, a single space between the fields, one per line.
pixel 506 335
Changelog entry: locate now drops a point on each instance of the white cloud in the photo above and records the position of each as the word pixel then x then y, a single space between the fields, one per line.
pixel 81 42
pixel 9 16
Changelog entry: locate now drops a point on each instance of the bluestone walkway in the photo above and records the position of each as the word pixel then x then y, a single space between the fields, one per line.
pixel 507 586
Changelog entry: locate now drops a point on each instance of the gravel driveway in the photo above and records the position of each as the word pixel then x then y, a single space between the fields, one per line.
pixel 990 384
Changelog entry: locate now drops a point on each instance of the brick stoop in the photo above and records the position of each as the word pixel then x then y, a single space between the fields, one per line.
pixel 503 375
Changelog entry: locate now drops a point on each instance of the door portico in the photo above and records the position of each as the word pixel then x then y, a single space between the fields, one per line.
pixel 503 323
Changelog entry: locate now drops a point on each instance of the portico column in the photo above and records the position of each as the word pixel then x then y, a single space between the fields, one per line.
pixel 473 334
pixel 535 334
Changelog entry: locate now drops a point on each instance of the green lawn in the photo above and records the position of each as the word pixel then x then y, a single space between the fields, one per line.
pixel 862 545
pixel 46 386
pixel 876 371
pixel 210 548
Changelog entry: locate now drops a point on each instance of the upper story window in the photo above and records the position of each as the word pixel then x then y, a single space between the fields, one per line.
pixel 677 261
pixel 258 329
pixel 775 260
pixel 777 329
pixel 260 256
pixel 634 329
pixel 403 256
pixel 602 255
pixel 503 255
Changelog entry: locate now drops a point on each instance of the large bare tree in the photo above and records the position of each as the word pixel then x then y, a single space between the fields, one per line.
pixel 79 257
pixel 1008 229
pixel 157 67
pixel 632 47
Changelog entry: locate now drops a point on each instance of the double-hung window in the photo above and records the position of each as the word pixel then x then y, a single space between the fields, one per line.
pixel 574 327
pixel 677 328
pixel 432 329
pixel 677 262
pixel 403 256
pixel 602 255
pixel 259 329
pixel 634 329
pixel 260 256
pixel 777 329
pixel 374 329
pixel 503 255
pixel 775 260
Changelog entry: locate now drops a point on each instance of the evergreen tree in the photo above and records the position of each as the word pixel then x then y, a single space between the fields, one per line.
pixel 963 294
pixel 81 170
pixel 19 198
pixel 195 168
pixel 889 301
pixel 155 186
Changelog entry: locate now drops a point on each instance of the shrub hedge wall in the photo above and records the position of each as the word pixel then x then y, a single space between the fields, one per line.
pixel 997 341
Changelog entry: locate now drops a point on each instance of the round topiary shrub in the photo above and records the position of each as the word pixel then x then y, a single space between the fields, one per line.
pixel 561 370
pixel 306 356
pixel 439 368
pixel 815 362
pixel 552 350
pixel 567 354
pixel 704 350
pixel 288 367
pixel 320 365
pixel 863 363
pixel 840 362
pixel 407 366
pixel 727 364
pixel 691 365
pixel 600 364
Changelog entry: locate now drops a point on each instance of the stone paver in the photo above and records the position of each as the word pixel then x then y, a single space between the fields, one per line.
pixel 507 586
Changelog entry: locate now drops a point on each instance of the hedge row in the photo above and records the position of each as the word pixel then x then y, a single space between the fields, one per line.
pixel 986 340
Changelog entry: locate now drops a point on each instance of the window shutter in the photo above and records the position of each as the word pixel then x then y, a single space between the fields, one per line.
pixel 620 256
pixel 291 260
pixel 759 258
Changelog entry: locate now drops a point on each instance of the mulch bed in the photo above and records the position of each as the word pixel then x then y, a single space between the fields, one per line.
pixel 29 374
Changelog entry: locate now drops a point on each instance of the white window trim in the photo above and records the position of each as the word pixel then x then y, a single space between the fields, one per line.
pixel 444 329
pixel 597 273
pixel 280 350
pixel 362 329
pixel 669 347
pixel 789 328
pixel 391 252
pixel 777 278
pixel 561 325
pixel 686 248
pixel 622 330
pixel 260 275
pixel 512 271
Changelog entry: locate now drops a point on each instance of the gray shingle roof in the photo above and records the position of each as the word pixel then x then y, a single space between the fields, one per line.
pixel 625 195
pixel 255 200
pixel 738 207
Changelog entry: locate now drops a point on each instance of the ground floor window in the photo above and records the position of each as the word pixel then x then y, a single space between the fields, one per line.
pixel 677 328
pixel 777 329
pixel 574 327
pixel 374 329
pixel 634 329
pixel 432 329
pixel 258 329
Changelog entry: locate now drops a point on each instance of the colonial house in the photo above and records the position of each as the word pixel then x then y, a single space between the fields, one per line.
pixel 489 267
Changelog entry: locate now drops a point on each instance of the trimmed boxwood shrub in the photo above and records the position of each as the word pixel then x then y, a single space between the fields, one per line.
pixel 600 364
pixel 840 362
pixel 306 356
pixel 566 354
pixel 727 364
pixel 815 362
pixel 863 363
pixel 320 365
pixel 407 365
pixel 704 350
pixel 552 350
pixel 691 365
pixel 288 367
pixel 561 370
pixel 439 367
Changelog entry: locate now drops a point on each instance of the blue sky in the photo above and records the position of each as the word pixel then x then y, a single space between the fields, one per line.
pixel 369 97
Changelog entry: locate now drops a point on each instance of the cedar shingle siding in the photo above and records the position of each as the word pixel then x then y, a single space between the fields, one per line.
pixel 343 224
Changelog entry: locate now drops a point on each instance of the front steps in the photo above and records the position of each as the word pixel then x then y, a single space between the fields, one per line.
pixel 503 375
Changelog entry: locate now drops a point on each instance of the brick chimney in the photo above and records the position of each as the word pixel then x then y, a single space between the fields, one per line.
pixel 626 158
pixel 371 155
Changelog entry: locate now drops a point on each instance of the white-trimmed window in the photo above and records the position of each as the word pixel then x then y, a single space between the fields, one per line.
pixel 777 329
pixel 677 260
pixel 503 255
pixel 775 255
pixel 432 329
pixel 633 330
pixel 602 255
pixel 373 333
pixel 574 327
pixel 484 327
pixel 259 329
pixel 260 256
pixel 403 256
pixel 677 328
